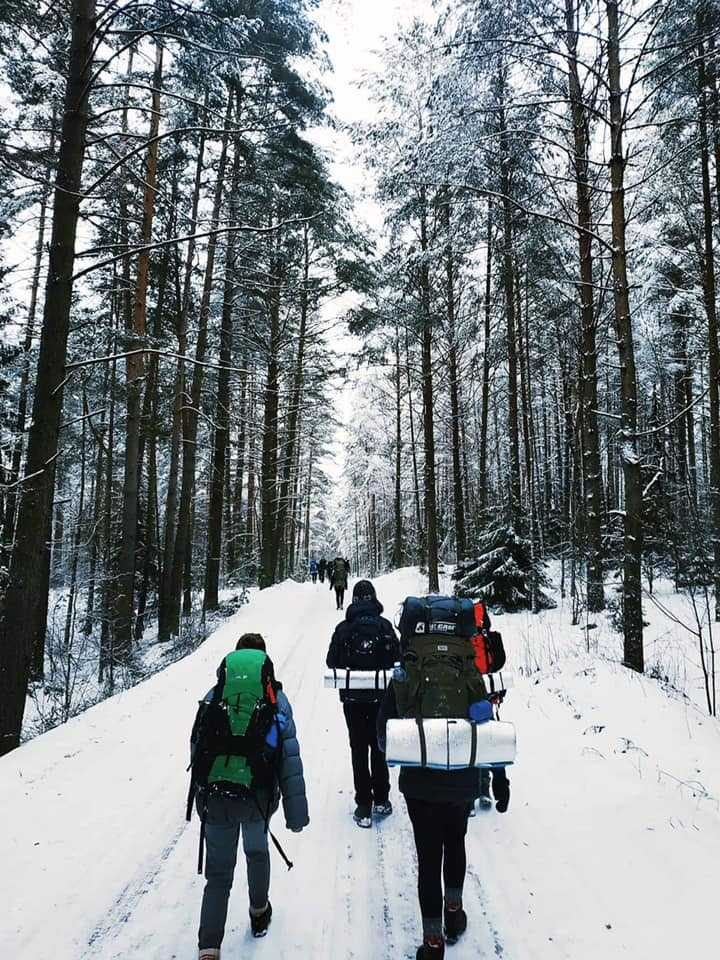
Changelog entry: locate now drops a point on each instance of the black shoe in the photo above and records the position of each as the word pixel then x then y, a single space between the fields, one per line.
pixel 501 791
pixel 430 951
pixel 259 922
pixel 363 816
pixel 455 924
pixel 382 809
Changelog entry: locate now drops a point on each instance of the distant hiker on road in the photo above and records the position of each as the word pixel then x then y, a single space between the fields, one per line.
pixel 438 801
pixel 314 570
pixel 339 581
pixel 322 566
pixel 244 757
pixel 364 640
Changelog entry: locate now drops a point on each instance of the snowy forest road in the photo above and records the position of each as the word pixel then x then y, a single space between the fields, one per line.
pixel 591 861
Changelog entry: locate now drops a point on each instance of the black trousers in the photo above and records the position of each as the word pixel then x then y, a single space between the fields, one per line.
pixel 372 780
pixel 439 830
pixel 340 595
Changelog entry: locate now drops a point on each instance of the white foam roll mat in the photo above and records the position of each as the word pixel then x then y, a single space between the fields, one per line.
pixel 450 744
pixel 340 679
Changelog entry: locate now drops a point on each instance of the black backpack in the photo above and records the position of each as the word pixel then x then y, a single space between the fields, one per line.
pixel 368 646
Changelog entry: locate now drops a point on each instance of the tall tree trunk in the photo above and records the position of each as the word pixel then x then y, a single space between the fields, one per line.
pixel 222 405
pixel 632 566
pixel 135 372
pixel 13 474
pixel 711 310
pixel 428 405
pixel 167 605
pixel 183 537
pixel 413 447
pixel 591 441
pixel 508 282
pixel 295 400
pixel 458 494
pixel 268 479
pixel 398 539
pixel 485 401
pixel 26 596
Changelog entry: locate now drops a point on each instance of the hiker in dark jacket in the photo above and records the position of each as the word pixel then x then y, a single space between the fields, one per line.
pixel 439 804
pixel 231 813
pixel 339 581
pixel 321 569
pixel 371 779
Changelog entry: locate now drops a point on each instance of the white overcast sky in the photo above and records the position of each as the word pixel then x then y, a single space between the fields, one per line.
pixel 356 30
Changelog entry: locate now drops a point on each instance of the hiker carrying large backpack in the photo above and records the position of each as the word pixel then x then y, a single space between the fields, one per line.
pixel 244 757
pixel 339 581
pixel 489 658
pixel 366 641
pixel 438 678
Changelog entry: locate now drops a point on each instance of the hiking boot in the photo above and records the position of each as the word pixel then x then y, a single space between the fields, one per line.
pixel 431 950
pixel 455 924
pixel 209 953
pixel 484 801
pixel 362 816
pixel 259 922
pixel 383 809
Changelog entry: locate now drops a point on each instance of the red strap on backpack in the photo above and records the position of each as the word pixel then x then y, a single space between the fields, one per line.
pixel 482 658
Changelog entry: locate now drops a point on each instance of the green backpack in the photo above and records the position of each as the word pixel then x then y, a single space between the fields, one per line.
pixel 228 741
pixel 340 573
pixel 441 679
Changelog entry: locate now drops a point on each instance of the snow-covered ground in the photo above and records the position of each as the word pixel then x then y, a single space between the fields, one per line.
pixel 609 849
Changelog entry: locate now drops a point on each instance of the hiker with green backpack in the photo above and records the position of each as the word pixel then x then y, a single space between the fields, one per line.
pixel 245 756
pixel 437 678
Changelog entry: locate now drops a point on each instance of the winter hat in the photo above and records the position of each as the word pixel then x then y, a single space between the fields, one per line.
pixel 364 590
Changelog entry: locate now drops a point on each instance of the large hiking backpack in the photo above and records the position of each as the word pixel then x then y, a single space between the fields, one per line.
pixel 339 576
pixel 489 650
pixel 228 741
pixel 368 646
pixel 441 679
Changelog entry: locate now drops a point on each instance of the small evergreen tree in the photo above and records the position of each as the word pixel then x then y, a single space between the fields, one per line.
pixel 506 574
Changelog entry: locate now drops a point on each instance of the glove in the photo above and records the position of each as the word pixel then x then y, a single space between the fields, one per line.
pixel 501 790
pixel 480 711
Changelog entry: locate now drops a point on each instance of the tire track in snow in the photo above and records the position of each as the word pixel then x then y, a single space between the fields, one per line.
pixel 127 901
pixel 479 893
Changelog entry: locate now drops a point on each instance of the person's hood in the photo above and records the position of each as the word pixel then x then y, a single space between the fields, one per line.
pixel 364 608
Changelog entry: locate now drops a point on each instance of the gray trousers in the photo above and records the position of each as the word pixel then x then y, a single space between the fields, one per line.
pixel 226 819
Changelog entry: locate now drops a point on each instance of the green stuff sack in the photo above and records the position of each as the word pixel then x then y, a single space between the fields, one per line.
pixel 441 679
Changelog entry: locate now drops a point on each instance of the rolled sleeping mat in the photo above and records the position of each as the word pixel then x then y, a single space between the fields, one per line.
pixel 501 680
pixel 339 679
pixel 445 744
